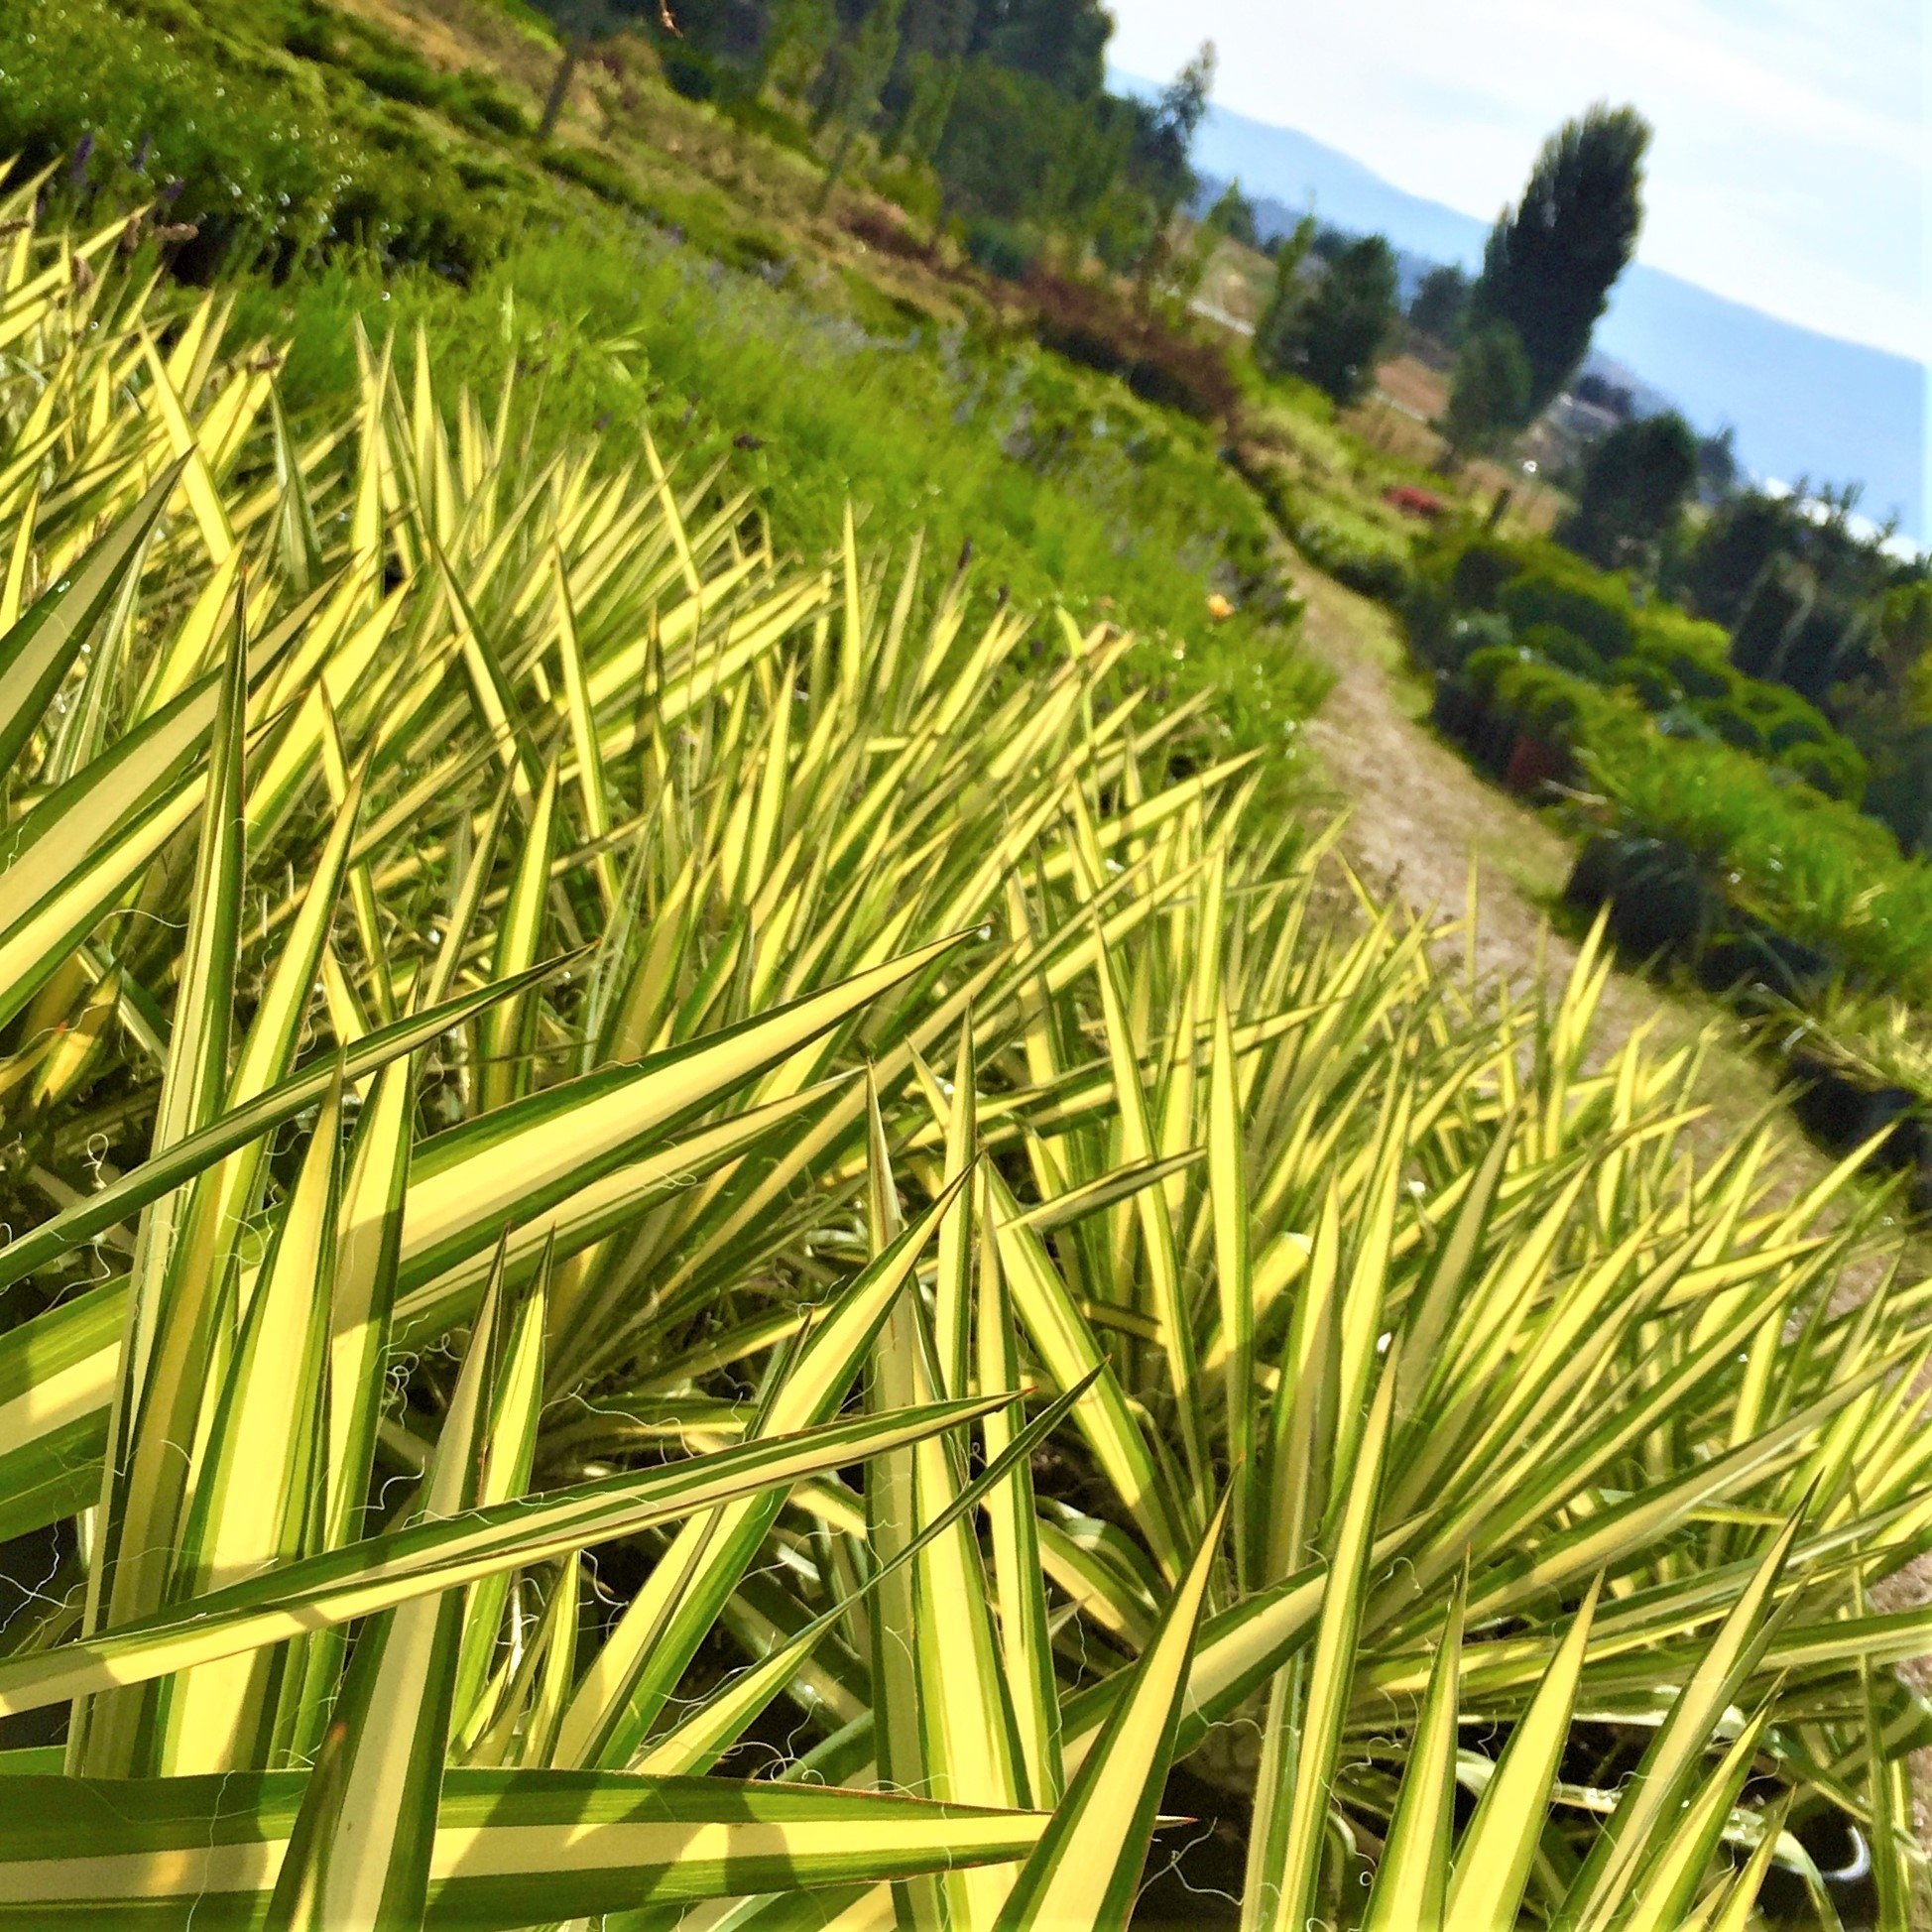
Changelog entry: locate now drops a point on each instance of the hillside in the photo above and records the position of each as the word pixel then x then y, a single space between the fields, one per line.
pixel 1804 404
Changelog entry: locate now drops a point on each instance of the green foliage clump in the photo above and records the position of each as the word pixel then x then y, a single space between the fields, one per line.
pixel 1810 866
pixel 1593 609
pixel 1001 248
pixel 1355 550
pixel 1549 603
pixel 1439 309
pixel 1635 484
pixel 1693 653
pixel 244 149
pixel 1338 535
pixel 1555 645
pixel 1489 396
pixel 1566 709
pixel 1337 330
pixel 1746 775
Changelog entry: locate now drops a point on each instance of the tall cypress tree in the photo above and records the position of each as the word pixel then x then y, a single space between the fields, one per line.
pixel 1552 261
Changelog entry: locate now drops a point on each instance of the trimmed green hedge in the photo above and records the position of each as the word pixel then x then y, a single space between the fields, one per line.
pixel 1593 608
pixel 1806 865
pixel 1475 591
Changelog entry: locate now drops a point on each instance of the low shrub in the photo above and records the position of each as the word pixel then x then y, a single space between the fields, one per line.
pixel 1665 634
pixel 1804 862
pixel 402 76
pixel 1478 564
pixel 881 226
pixel 1649 684
pixel 690 73
pixel 1371 557
pixel 1730 725
pixel 1087 322
pixel 1003 249
pixel 905 182
pixel 1464 636
pixel 1565 649
pixel 770 118
pixel 478 103
pixel 1592 608
pixel 593 170
pixel 1836 768
pixel 1354 551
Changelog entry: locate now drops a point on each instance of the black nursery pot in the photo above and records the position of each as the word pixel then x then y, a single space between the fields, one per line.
pixel 1752 954
pixel 1593 877
pixel 1661 905
pixel 1456 708
pixel 1842 1113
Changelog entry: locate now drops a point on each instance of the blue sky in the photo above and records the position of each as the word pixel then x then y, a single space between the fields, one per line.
pixel 1793 137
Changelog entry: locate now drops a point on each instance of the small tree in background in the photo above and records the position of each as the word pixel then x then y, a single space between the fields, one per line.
pixel 1717 470
pixel 1164 139
pixel 1336 332
pixel 1552 261
pixel 1440 310
pixel 1231 219
pixel 931 87
pixel 1286 297
pixel 799 35
pixel 855 74
pixel 1490 395
pixel 1233 216
pixel 1635 484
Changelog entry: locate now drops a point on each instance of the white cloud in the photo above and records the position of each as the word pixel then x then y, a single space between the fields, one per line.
pixel 1789 167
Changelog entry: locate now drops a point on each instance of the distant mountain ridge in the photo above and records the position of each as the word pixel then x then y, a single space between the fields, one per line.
pixel 1804 404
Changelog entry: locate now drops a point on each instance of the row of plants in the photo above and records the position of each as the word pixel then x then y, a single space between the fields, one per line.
pixel 1327 520
pixel 1747 778
pixel 1721 819
pixel 693 1239
pixel 1481 601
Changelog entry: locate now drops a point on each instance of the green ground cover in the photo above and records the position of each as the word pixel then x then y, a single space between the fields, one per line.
pixel 1061 482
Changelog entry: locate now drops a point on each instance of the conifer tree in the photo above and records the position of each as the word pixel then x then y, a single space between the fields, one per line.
pixel 1552 260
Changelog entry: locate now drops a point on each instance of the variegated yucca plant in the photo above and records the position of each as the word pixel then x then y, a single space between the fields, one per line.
pixel 696 1243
